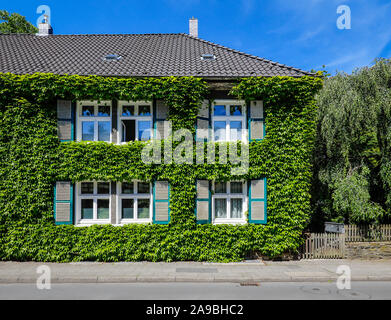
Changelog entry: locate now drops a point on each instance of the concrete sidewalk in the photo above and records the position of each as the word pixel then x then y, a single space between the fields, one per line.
pixel 241 272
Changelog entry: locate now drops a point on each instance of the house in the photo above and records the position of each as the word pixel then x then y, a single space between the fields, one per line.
pixel 120 122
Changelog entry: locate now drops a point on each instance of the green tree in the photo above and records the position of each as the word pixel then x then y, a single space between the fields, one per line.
pixel 352 171
pixel 15 23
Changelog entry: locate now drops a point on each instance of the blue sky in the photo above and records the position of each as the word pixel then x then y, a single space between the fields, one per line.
pixel 300 33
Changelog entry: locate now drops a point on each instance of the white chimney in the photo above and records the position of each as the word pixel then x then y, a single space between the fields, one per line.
pixel 193 27
pixel 44 27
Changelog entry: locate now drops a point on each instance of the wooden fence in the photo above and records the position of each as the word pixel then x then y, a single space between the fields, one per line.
pixel 355 233
pixel 324 246
pixel 332 245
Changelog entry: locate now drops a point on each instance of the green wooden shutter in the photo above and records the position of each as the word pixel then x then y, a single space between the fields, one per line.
pixel 203 202
pixel 203 122
pixel 161 202
pixel 257 195
pixel 256 121
pixel 63 202
pixel 160 116
pixel 65 120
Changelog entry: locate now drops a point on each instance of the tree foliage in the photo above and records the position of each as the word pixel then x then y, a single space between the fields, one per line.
pixel 15 23
pixel 352 180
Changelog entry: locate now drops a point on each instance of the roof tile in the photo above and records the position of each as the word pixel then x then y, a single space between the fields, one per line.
pixel 141 54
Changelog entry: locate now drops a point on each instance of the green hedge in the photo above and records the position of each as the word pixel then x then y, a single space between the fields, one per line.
pixel 33 159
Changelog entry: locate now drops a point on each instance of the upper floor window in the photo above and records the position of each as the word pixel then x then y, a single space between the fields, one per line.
pixel 229 201
pixel 135 120
pixel 94 121
pixel 228 120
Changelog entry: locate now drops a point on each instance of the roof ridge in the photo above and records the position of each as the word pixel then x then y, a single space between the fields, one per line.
pixel 91 34
pixel 247 54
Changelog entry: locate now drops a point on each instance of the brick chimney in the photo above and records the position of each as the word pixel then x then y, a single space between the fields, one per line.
pixel 44 27
pixel 193 27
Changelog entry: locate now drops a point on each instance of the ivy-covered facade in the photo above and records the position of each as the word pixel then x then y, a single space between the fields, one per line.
pixel 74 185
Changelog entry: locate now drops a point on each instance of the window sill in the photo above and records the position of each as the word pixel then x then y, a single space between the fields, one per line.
pixel 230 221
pixel 88 223
pixel 130 221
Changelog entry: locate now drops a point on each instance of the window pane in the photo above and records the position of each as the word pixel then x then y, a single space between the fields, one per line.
pixel 103 208
pixel 144 110
pixel 103 187
pixel 236 208
pixel 143 208
pixel 87 188
pixel 104 111
pixel 143 187
pixel 219 130
pixel 235 110
pixel 87 111
pixel 87 209
pixel 144 130
pixel 127 208
pixel 219 110
pixel 236 130
pixel 220 187
pixel 104 131
pixel 128 111
pixel 127 187
pixel 87 129
pixel 221 208
pixel 236 187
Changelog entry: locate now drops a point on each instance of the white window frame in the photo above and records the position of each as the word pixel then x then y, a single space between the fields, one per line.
pixel 95 197
pixel 228 195
pixel 95 118
pixel 135 196
pixel 136 117
pixel 228 119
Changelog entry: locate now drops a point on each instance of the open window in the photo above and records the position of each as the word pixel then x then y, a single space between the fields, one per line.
pixel 135 120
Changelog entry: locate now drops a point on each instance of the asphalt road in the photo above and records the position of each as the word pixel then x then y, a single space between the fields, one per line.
pixel 199 291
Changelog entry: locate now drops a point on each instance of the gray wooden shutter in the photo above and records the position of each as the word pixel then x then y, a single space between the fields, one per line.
pixel 160 117
pixel 256 121
pixel 203 202
pixel 161 202
pixel 65 120
pixel 257 201
pixel 203 122
pixel 63 202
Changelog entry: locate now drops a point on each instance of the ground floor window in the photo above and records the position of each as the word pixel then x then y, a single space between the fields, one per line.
pixel 134 202
pixel 229 201
pixel 93 202
pixel 100 202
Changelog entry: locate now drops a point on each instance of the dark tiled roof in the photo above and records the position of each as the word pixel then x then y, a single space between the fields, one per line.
pixel 142 55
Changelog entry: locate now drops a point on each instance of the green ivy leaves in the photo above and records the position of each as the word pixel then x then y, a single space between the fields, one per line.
pixel 33 159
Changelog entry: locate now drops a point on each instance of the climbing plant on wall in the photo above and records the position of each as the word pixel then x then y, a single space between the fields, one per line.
pixel 33 159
